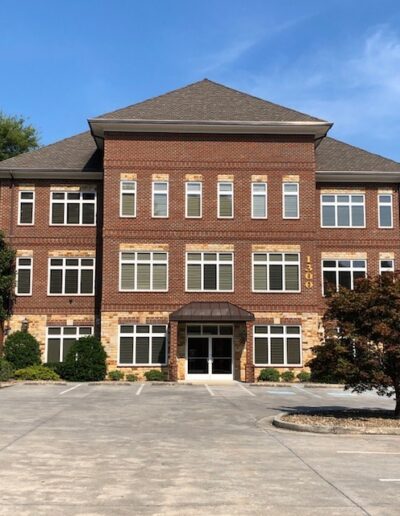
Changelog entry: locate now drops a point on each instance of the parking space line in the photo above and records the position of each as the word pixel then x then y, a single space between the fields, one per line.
pixel 340 394
pixel 71 389
pixel 305 391
pixel 368 452
pixel 389 480
pixel 281 392
pixel 209 390
pixel 140 389
pixel 245 390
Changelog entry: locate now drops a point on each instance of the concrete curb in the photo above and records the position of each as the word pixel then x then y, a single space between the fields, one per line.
pixel 306 385
pixel 3 385
pixel 333 429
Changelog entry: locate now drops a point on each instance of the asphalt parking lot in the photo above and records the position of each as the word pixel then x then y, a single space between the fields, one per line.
pixel 81 449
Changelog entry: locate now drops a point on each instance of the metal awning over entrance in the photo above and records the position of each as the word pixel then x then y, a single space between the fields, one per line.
pixel 211 312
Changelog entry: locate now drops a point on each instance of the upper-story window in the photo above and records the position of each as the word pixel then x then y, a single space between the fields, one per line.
pixel 160 199
pixel 290 193
pixel 385 202
pixel 24 276
pixel 276 272
pixel 193 201
pixel 259 200
pixel 26 207
pixel 343 210
pixel 73 208
pixel 342 273
pixel 225 200
pixel 71 276
pixel 209 272
pixel 128 199
pixel 143 271
pixel 386 266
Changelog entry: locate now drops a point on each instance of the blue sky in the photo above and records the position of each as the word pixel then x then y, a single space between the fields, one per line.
pixel 64 61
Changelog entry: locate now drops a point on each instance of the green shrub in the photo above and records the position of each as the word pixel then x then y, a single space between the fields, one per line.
pixel 85 361
pixel 21 349
pixel 131 377
pixel 269 375
pixel 36 372
pixel 6 370
pixel 155 376
pixel 116 375
pixel 58 367
pixel 288 376
pixel 304 376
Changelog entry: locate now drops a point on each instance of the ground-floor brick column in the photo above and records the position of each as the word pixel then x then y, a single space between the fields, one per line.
pixel 249 372
pixel 173 352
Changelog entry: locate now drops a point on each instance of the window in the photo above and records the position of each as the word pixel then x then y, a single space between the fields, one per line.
pixel 193 200
pixel 259 200
pixel 277 345
pixel 143 271
pixel 160 199
pixel 26 207
pixel 290 200
pixel 128 199
pixel 142 345
pixel 24 277
pixel 385 210
pixel 225 200
pixel 342 273
pixel 74 208
pixel 61 338
pixel 386 266
pixel 209 272
pixel 342 211
pixel 276 272
pixel 71 276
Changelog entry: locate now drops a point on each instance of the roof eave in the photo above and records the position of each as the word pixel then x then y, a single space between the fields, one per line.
pixel 358 176
pixel 40 173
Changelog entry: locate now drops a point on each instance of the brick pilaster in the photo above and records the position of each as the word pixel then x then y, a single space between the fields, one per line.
pixel 249 372
pixel 173 352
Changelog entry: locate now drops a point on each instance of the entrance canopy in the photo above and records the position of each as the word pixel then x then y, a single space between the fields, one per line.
pixel 211 312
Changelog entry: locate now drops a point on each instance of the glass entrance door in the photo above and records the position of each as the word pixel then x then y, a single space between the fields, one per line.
pixel 221 356
pixel 209 358
pixel 198 356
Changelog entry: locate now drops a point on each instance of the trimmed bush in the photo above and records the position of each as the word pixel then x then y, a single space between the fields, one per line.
pixel 116 375
pixel 269 375
pixel 36 372
pixel 131 377
pixel 21 349
pixel 287 376
pixel 155 376
pixel 58 367
pixel 85 361
pixel 6 370
pixel 304 376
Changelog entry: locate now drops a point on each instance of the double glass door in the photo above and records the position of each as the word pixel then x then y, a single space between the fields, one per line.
pixel 209 358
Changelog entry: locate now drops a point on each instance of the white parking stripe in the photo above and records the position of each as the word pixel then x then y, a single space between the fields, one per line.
pixel 281 392
pixel 369 452
pixel 71 389
pixel 246 390
pixel 389 480
pixel 340 394
pixel 209 390
pixel 140 389
pixel 305 391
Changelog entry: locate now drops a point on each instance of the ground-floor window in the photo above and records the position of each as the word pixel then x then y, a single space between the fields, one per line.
pixel 61 338
pixel 277 345
pixel 142 344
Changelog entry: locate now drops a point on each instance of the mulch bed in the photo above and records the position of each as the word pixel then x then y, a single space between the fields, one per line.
pixel 346 418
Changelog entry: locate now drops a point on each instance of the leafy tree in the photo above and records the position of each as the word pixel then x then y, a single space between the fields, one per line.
pixel 7 282
pixel 363 326
pixel 16 136
pixel 85 361
pixel 22 350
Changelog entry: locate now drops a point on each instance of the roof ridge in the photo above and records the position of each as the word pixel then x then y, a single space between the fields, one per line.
pixel 362 149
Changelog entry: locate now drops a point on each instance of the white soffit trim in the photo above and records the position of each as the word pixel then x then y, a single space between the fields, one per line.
pixel 35 173
pixel 357 176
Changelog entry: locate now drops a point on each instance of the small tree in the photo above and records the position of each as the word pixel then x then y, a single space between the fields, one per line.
pixel 85 361
pixel 7 283
pixel 16 136
pixel 22 350
pixel 366 335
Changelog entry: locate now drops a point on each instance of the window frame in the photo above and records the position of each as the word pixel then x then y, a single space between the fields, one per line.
pixel 285 336
pixel 25 267
pixel 352 269
pixel 297 194
pixel 26 201
pixel 202 262
pixel 386 269
pixel 283 263
pixel 61 335
pixel 153 193
pixel 149 335
pixel 257 194
pixel 79 201
pixel 385 204
pixel 64 267
pixel 151 262
pixel 127 192
pixel 335 204
pixel 200 194
pixel 219 194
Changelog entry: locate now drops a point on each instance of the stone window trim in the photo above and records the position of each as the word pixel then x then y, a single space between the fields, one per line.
pixel 225 200
pixel 357 268
pixel 202 260
pixel 133 260
pixel 134 332
pixel 26 207
pixel 385 208
pixel 160 199
pixel 63 264
pixel 193 192
pixel 65 200
pixel 128 199
pixel 24 276
pixel 290 194
pixel 259 192
pixel 344 200
pixel 263 335
pixel 269 259
pixel 63 333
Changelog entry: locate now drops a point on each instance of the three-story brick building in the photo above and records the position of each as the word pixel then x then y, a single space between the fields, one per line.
pixel 195 232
